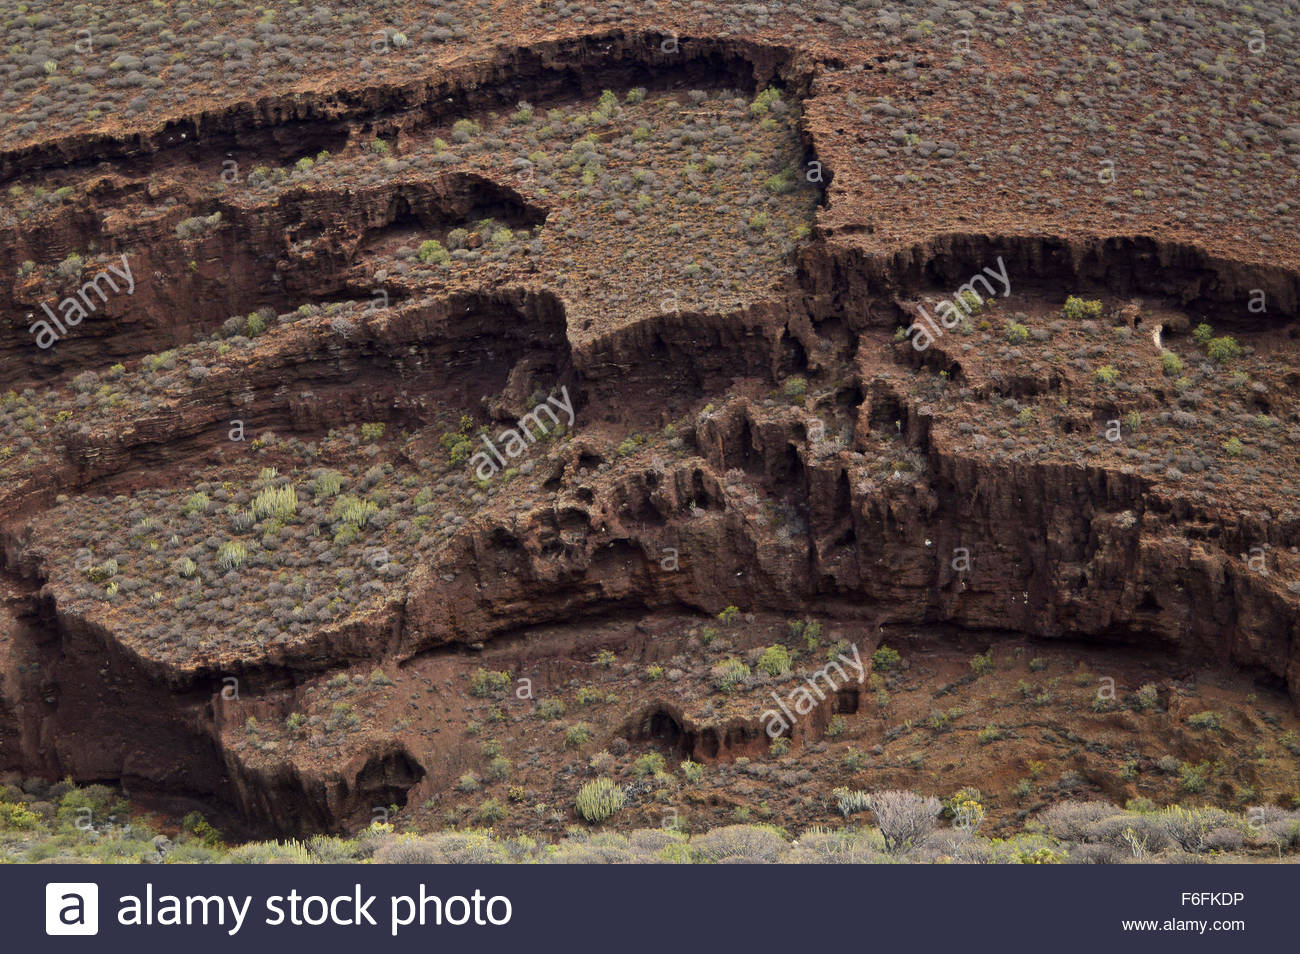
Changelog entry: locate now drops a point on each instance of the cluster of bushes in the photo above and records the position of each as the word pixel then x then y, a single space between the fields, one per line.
pixel 237 564
pixel 42 821
pixel 699 199
pixel 1206 433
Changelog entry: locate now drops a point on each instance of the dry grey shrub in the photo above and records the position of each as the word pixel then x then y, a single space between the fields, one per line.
pixel 904 817
pixel 1138 835
pixel 841 846
pixel 1191 827
pixel 1102 854
pixel 1069 821
pixel 955 843
pixel 648 841
pixel 740 844
pixel 1281 832
pixel 603 848
pixel 449 848
pixel 1224 839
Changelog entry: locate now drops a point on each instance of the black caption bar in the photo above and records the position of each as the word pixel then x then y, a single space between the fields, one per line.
pixel 1146 908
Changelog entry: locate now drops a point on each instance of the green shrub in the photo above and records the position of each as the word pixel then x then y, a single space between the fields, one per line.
pixel 231 555
pixel 730 674
pixel 693 772
pixel 1202 334
pixel 432 252
pixel 15 816
pixel 599 799
pixel 762 103
pixel 373 431
pixel 1223 350
pixel 1193 778
pixel 780 183
pixel 202 829
pixel 885 659
pixel 1106 375
pixel 490 812
pixel 276 503
pixel 342 717
pixel 105 571
pixel 982 663
pixel 1017 333
pixel 327 483
pixel 1079 309
pixel 577 735
pixel 354 510
pixel 775 660
pixel 970 301
pixel 1206 720
pixel 463 129
pixel 1172 364
pixel 652 763
pixel 488 682
pixel 728 615
pixel 550 709
pixel 850 801
pixel 1234 447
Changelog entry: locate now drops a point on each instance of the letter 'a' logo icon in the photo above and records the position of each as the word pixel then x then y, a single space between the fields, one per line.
pixel 71 908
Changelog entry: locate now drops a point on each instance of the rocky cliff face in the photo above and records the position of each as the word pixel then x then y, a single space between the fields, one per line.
pixel 762 504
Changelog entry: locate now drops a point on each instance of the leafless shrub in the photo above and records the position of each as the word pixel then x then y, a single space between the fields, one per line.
pixel 841 846
pixel 1190 827
pixel 1100 854
pixel 651 840
pixel 1282 832
pixel 1139 835
pixel 904 817
pixel 1224 839
pixel 741 844
pixel 449 848
pixel 605 848
pixel 1069 821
